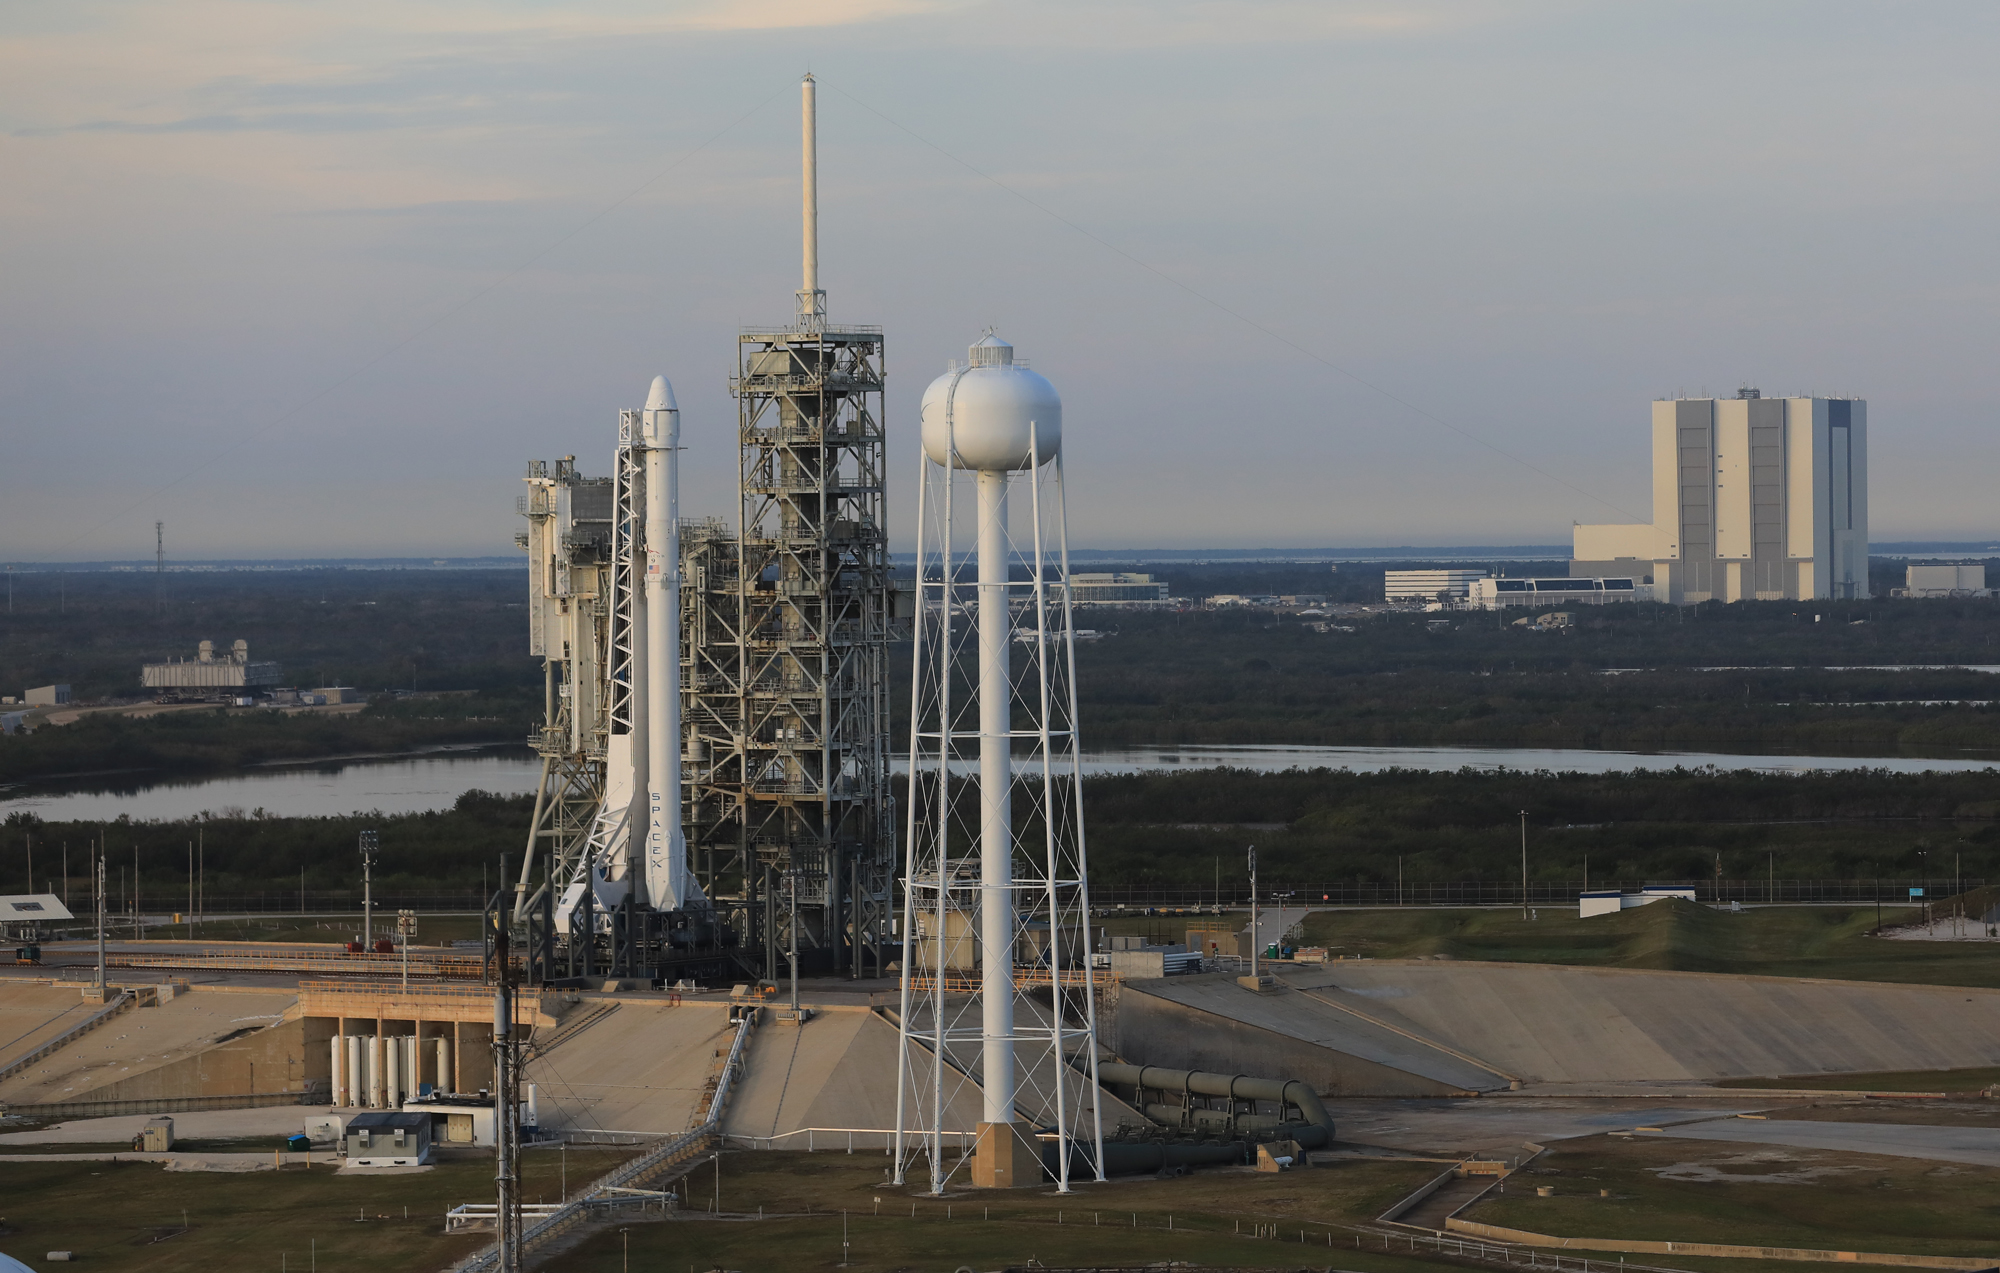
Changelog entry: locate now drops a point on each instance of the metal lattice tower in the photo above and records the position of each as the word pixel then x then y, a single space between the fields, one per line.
pixel 788 631
pixel 998 1003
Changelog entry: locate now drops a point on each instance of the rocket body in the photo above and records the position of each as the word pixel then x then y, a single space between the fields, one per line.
pixel 669 885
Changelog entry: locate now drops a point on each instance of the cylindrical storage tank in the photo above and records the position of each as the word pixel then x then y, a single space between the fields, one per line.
pixel 356 1079
pixel 336 1079
pixel 371 1052
pixel 532 1115
pixel 445 1083
pixel 392 1085
pixel 996 416
pixel 413 1064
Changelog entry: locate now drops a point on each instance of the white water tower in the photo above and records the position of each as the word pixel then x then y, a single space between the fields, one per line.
pixel 997 906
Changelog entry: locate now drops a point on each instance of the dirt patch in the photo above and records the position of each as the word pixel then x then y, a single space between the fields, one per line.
pixel 1763 1167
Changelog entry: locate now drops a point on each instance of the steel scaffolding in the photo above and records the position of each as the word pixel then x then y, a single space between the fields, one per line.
pixel 786 638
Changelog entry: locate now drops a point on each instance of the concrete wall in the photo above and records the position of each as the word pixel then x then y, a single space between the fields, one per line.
pixel 286 1057
pixel 1154 1031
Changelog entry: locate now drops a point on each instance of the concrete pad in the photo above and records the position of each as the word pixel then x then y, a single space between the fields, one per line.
pixel 1553 1024
pixel 641 1069
pixel 142 1039
pixel 1979 1146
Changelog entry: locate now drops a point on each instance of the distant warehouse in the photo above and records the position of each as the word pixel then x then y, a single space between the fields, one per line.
pixel 1116 589
pixel 206 672
pixel 1428 585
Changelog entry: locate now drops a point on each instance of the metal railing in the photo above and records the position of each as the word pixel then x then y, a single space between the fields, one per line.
pixel 657 1164
pixel 1108 900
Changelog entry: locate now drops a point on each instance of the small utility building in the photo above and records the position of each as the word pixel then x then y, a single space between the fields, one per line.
pixel 387 1139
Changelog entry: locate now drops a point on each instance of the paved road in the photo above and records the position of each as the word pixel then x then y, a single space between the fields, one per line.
pixel 1976 1145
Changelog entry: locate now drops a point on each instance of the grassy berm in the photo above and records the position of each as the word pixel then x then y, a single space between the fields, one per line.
pixel 1123 1224
pixel 1782 941
pixel 1753 1195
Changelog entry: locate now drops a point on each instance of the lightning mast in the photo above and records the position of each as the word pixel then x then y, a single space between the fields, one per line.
pixel 787 714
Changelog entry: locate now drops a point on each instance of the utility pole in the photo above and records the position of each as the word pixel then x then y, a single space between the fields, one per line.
pixel 370 842
pixel 406 928
pixel 160 567
pixel 507 1121
pixel 1255 936
pixel 190 890
pixel 1524 864
pixel 100 919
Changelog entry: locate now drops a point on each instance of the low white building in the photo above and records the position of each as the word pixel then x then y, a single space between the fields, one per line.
pixel 1494 594
pixel 1606 901
pixel 1952 579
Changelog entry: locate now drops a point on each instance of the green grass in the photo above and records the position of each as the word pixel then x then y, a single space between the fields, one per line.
pixel 432 930
pixel 1871 1203
pixel 110 1214
pixel 1121 1224
pixel 1970 1080
pixel 1804 941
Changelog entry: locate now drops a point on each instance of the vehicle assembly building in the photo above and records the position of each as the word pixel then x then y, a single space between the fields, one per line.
pixel 1754 498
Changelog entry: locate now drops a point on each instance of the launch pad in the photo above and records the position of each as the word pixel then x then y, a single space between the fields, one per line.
pixel 729 685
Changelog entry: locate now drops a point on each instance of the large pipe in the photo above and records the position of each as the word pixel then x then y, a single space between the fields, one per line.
pixel 1317 1132
pixel 996 781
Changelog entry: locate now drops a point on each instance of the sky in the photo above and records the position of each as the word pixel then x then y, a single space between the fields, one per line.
pixel 319 279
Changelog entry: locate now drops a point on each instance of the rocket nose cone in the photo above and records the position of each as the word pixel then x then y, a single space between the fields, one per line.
pixel 662 396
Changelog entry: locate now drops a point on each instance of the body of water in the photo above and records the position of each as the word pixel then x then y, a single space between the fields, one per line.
pixel 435 782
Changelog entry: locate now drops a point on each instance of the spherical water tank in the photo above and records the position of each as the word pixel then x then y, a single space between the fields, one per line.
pixel 996 410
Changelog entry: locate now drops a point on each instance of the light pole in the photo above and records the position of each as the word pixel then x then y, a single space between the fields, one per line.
pixel 1255 936
pixel 1524 864
pixel 406 928
pixel 370 842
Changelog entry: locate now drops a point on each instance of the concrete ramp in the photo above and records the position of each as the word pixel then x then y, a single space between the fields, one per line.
pixel 1553 1025
pixel 642 1067
pixel 105 1063
pixel 837 1071
pixel 1211 1023
pixel 32 1014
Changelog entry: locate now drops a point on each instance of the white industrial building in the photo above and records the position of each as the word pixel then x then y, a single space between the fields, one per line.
pixel 1116 589
pixel 1496 594
pixel 211 671
pixel 1428 585
pixel 1952 579
pixel 1754 498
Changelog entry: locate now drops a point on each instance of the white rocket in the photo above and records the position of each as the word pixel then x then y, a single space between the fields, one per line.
pixel 669 884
